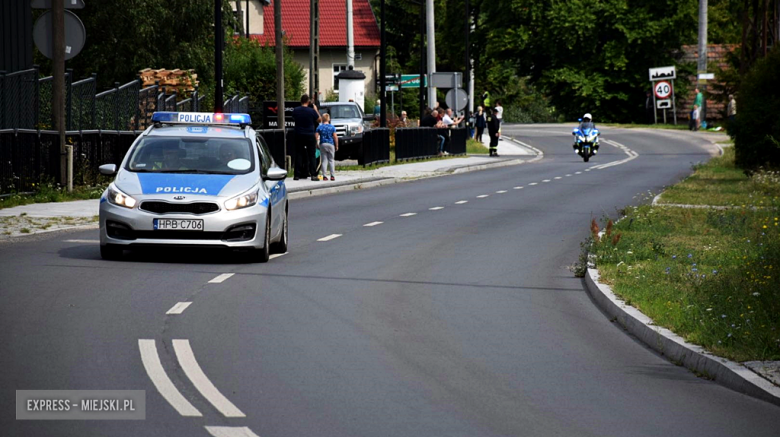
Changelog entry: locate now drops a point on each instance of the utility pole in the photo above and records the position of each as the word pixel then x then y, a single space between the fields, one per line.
pixel 382 71
pixel 58 71
pixel 422 60
pixel 702 64
pixel 281 119
pixel 431 51
pixel 219 40
pixel 467 73
pixel 314 47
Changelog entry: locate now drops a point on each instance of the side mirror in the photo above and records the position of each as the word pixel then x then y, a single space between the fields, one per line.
pixel 107 169
pixel 276 174
pixel 371 117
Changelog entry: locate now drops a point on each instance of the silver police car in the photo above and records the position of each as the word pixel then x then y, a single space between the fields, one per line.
pixel 196 180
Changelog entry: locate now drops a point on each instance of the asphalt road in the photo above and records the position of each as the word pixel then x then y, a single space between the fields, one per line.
pixel 459 321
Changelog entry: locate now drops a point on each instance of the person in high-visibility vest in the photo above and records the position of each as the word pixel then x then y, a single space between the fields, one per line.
pixel 494 131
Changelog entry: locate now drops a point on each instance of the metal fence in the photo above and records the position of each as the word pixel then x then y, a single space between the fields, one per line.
pixel 375 148
pixel 455 143
pixel 416 143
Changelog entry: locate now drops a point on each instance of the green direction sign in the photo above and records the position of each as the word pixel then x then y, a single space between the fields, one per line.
pixel 412 81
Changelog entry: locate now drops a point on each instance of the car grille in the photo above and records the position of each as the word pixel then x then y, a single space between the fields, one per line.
pixel 341 130
pixel 189 208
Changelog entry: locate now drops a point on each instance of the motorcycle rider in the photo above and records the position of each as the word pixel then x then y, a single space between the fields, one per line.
pixel 586 123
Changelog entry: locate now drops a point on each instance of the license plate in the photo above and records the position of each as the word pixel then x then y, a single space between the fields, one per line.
pixel 178 225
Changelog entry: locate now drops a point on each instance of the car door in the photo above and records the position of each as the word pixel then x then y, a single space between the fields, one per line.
pixel 276 189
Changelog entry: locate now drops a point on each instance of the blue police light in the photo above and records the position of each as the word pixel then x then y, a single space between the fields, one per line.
pixel 200 118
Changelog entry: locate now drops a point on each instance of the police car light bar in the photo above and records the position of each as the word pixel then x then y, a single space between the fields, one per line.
pixel 200 118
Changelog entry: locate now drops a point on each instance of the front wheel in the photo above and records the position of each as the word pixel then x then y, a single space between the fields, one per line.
pixel 281 245
pixel 586 154
pixel 262 255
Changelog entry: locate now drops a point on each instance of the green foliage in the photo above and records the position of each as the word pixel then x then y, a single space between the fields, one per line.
pixel 756 130
pixel 251 68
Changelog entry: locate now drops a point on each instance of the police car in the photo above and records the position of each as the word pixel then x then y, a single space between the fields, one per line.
pixel 196 179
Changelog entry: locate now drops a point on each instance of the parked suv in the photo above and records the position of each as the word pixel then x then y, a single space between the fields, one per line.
pixel 350 123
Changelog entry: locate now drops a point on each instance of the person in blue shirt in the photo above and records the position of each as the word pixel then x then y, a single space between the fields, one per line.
pixel 306 117
pixel 329 144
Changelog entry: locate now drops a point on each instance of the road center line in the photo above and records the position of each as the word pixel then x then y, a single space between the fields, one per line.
pixel 436 208
pixel 368 225
pixel 330 237
pixel 179 308
pixel 461 202
pixel 230 431
pixel 546 180
pixel 518 188
pixel 500 191
pixel 482 196
pixel 558 177
pixel 201 382
pixel 533 183
pixel 579 172
pixel 221 278
pixel 161 381
pixel 408 214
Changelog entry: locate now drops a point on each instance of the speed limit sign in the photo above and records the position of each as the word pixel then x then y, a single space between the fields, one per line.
pixel 662 89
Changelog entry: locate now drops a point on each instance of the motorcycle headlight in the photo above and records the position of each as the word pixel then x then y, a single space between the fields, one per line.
pixel 119 198
pixel 247 199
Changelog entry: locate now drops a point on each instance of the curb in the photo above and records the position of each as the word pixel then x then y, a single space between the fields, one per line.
pixel 726 372
pixel 47 231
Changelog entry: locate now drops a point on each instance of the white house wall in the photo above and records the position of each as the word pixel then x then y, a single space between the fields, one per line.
pixel 329 57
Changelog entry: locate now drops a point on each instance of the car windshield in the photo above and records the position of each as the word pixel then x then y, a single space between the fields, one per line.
pixel 343 111
pixel 192 155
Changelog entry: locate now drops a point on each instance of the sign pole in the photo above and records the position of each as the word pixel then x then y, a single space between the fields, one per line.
pixel 655 109
pixel 674 105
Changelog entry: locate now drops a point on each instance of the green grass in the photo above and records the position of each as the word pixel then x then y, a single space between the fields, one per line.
pixel 709 275
pixel 52 193
pixel 680 126
pixel 724 184
pixel 474 147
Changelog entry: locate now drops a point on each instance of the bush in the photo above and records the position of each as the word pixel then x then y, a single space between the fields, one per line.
pixel 756 130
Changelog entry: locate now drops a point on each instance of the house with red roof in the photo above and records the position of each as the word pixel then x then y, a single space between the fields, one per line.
pixel 333 35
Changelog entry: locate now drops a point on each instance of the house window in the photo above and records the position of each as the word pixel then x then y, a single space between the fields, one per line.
pixel 358 56
pixel 337 68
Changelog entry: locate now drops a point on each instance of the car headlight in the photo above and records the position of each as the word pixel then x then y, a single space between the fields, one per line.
pixel 355 129
pixel 247 199
pixel 119 198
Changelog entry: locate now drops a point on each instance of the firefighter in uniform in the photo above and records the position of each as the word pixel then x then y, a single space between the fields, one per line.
pixel 494 126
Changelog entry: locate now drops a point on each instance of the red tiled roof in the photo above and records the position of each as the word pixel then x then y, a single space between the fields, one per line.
pixel 333 24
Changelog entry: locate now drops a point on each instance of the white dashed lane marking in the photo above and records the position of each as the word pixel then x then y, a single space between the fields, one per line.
pixel 436 208
pixel 368 225
pixel 230 431
pixel 277 255
pixel 546 180
pixel 161 381
pixel 558 177
pixel 83 241
pixel 500 191
pixel 533 183
pixel 579 172
pixel 199 379
pixel 518 188
pixel 461 202
pixel 221 278
pixel 482 196
pixel 408 214
pixel 330 237
pixel 179 308
pixel 568 175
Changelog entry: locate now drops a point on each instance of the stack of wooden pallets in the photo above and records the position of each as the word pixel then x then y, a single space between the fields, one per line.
pixel 180 81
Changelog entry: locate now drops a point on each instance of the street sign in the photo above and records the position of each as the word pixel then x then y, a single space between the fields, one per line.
pixel 663 104
pixel 46 4
pixel 706 76
pixel 663 73
pixel 456 101
pixel 75 35
pixel 412 81
pixel 447 80
pixel 391 87
pixel 662 89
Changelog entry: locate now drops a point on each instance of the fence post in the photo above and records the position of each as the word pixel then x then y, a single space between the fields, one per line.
pixel 116 105
pixel 37 98
pixel 94 102
pixel 195 106
pixel 68 98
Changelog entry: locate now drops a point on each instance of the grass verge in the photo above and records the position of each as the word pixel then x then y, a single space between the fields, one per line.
pixel 708 275
pixel 474 147
pixel 49 192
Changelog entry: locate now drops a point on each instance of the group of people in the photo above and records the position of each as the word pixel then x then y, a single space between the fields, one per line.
pixel 312 132
pixel 697 116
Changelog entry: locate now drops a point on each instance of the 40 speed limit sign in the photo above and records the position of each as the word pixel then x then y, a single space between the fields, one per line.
pixel 662 89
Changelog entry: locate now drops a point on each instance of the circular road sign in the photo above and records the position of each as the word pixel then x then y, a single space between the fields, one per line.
pixel 662 89
pixel 457 99
pixel 75 35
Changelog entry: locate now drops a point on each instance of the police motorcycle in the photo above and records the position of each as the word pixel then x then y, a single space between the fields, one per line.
pixel 586 141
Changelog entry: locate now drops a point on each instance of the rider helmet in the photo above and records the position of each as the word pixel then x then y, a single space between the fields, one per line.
pixel 587 117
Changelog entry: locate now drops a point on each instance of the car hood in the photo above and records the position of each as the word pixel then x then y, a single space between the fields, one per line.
pixel 147 184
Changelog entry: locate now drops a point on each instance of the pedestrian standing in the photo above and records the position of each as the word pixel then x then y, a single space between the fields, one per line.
pixel 480 123
pixel 649 116
pixel 695 118
pixel 699 101
pixel 306 117
pixel 499 113
pixel 494 130
pixel 329 144
pixel 731 109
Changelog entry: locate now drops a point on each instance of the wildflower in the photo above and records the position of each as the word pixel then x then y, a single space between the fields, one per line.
pixel 693 265
pixel 722 316
pixel 756 294
pixel 709 309
pixel 703 276
pixel 690 255
pixel 674 256
pixel 714 272
pixel 729 334
pixel 694 269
